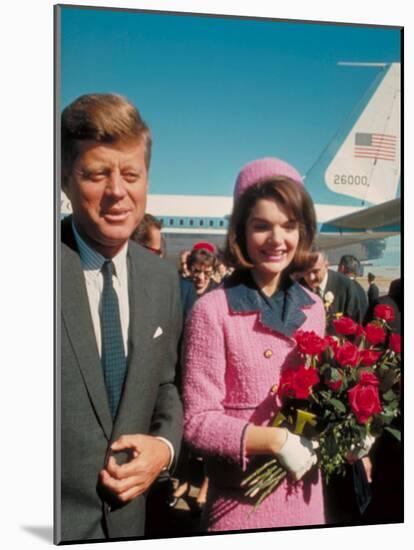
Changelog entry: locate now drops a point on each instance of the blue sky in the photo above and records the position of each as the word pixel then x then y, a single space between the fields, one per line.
pixel 219 92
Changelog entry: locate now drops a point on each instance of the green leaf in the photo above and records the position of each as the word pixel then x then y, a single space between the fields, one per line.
pixel 389 395
pixel 387 418
pixel 335 376
pixel 339 406
pixel 394 432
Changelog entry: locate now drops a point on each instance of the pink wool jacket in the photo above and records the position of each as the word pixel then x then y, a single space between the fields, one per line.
pixel 236 346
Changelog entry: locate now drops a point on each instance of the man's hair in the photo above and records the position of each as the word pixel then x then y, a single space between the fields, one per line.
pixel 201 256
pixel 371 277
pixel 349 264
pixel 293 197
pixel 141 233
pixel 318 251
pixel 104 118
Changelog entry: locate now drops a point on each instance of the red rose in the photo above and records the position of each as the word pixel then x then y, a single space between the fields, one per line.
pixel 347 355
pixel 345 325
pixel 395 342
pixel 367 378
pixel 335 385
pixel 374 333
pixel 369 357
pixel 303 381
pixel 360 331
pixel 382 311
pixel 285 388
pixel 309 342
pixel 364 401
pixel 297 383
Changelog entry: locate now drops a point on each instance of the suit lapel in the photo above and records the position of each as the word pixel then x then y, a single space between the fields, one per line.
pixel 77 318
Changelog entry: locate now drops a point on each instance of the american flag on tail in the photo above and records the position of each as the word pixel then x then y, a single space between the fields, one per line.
pixel 375 146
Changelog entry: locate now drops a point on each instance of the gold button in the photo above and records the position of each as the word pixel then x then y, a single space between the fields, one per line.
pixel 268 353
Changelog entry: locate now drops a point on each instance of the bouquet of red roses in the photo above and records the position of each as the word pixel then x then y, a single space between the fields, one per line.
pixel 345 393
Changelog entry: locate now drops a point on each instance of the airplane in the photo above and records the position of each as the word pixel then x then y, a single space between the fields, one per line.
pixel 355 184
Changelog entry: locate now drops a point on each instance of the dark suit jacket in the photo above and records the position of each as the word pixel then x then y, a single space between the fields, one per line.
pixel 346 296
pixel 373 294
pixel 362 298
pixel 346 299
pixel 149 405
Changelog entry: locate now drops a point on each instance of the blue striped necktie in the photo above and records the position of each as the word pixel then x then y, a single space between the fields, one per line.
pixel 113 354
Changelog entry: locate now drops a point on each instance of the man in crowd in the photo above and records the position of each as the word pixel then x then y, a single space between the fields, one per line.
pixel 148 234
pixel 373 291
pixel 350 267
pixel 118 410
pixel 387 481
pixel 340 295
pixel 335 290
pixel 183 269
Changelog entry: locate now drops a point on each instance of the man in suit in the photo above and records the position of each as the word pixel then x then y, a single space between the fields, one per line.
pixel 340 295
pixel 335 290
pixel 373 291
pixel 350 267
pixel 387 504
pixel 119 416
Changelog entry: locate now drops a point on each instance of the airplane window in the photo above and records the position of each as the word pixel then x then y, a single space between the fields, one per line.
pixel 171 222
pixel 201 222
pixel 211 223
pixel 181 222
pixel 221 223
pixel 191 222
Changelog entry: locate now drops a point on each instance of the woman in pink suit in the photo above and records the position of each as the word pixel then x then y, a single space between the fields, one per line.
pixel 239 338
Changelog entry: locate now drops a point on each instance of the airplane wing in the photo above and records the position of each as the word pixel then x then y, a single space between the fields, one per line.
pixel 376 222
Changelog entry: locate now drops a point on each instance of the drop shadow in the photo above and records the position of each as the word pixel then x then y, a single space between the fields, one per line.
pixel 43 532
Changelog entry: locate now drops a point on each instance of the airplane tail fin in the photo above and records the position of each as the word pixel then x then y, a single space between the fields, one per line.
pixel 361 165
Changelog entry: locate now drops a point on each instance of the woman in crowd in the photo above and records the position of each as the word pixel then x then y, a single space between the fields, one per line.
pixel 238 341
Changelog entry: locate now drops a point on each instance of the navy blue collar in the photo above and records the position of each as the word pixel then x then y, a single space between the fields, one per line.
pixel 281 312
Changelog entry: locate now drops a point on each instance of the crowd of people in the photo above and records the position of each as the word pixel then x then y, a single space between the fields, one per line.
pixel 161 375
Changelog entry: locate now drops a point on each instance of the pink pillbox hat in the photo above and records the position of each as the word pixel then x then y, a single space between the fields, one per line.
pixel 262 170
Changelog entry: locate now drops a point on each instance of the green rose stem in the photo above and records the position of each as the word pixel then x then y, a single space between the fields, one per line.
pixel 270 489
pixel 263 481
pixel 256 473
pixel 276 481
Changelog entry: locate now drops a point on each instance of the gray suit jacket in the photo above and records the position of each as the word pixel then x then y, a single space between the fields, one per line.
pixel 149 405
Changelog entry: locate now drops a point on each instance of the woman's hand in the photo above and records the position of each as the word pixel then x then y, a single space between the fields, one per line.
pixel 297 455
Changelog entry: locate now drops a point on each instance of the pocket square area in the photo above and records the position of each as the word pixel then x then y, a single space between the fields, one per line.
pixel 158 332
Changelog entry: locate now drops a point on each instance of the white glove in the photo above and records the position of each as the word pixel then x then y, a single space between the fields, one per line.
pixel 298 455
pixel 362 449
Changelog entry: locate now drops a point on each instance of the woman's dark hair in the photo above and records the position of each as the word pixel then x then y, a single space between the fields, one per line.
pixel 201 256
pixel 295 200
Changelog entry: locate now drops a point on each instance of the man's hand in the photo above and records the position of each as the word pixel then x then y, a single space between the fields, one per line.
pixel 366 461
pixel 127 481
pixel 361 450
